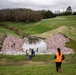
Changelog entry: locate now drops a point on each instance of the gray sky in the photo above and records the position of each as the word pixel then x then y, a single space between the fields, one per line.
pixel 39 4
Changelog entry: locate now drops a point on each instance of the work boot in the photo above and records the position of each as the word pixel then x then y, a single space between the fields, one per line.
pixel 60 70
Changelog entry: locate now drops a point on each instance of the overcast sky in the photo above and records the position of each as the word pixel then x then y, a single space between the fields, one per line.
pixel 39 4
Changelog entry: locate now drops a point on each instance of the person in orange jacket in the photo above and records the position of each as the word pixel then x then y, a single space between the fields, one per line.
pixel 59 57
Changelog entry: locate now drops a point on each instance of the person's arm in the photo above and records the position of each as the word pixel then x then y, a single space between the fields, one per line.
pixel 63 57
pixel 55 56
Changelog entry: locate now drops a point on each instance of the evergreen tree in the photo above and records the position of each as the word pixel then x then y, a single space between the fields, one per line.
pixel 68 11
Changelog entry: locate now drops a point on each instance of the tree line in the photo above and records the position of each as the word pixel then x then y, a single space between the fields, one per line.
pixel 28 15
pixel 24 15
pixel 67 12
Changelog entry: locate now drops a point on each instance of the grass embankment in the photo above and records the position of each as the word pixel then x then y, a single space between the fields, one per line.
pixel 39 65
pixel 71 44
pixel 4 31
pixel 46 27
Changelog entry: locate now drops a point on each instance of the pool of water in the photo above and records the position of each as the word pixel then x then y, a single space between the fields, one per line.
pixel 39 46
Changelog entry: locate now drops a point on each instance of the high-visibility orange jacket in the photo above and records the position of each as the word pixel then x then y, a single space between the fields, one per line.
pixel 58 57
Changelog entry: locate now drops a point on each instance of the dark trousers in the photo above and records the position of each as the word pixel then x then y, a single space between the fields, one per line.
pixel 58 66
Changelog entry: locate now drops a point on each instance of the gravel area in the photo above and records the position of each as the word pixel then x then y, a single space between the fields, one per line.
pixel 13 45
pixel 58 41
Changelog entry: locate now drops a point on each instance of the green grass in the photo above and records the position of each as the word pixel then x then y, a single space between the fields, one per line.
pixel 4 31
pixel 38 70
pixel 13 57
pixel 70 32
pixel 39 65
pixel 44 25
pixel 71 44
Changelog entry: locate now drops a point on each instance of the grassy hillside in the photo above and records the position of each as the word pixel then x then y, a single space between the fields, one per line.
pixel 71 44
pixel 63 24
pixel 4 31
pixel 45 24
pixel 70 32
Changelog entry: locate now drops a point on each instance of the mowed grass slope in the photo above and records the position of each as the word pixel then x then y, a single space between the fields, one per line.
pixel 48 27
pixel 45 25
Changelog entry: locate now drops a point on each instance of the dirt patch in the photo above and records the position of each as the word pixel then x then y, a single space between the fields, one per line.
pixel 10 62
pixel 31 63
